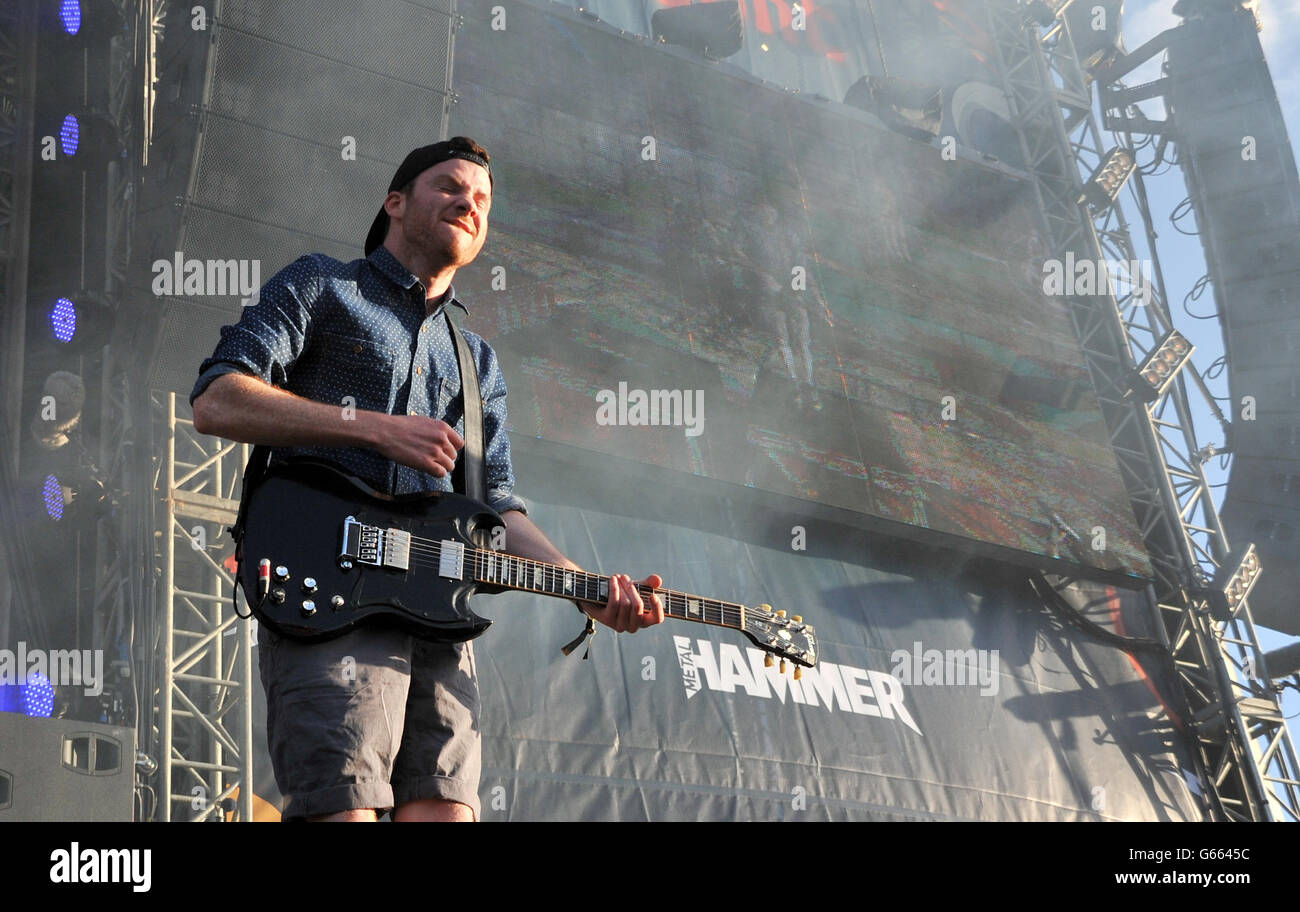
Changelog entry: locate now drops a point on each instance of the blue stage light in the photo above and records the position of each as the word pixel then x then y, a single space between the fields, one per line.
pixel 63 320
pixel 53 497
pixel 70 14
pixel 38 696
pixel 70 135
pixel 34 697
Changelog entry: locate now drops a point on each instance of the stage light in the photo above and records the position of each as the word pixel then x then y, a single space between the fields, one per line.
pixel 1095 30
pixel 63 320
pixel 70 16
pixel 62 398
pixel 70 135
pixel 33 697
pixel 53 493
pixel 1153 376
pixel 71 320
pixel 1232 583
pixel 1108 179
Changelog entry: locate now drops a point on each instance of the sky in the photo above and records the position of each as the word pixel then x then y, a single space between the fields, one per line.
pixel 1181 257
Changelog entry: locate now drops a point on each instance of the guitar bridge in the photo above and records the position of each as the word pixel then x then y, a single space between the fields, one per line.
pixel 374 546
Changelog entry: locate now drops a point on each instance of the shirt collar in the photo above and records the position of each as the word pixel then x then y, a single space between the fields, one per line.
pixel 382 259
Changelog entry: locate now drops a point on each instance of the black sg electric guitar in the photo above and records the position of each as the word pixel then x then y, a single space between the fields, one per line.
pixel 322 553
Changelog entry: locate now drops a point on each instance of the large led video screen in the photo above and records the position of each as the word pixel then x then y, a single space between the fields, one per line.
pixel 692 269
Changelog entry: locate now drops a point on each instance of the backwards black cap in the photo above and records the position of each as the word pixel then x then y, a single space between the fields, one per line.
pixel 415 164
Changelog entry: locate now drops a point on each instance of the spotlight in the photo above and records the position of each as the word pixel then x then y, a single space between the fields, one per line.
pixel 1108 179
pixel 56 497
pixel 1232 583
pixel 63 320
pixel 1153 376
pixel 1095 30
pixel 59 412
pixel 70 16
pixel 72 321
pixel 88 139
pixel 70 135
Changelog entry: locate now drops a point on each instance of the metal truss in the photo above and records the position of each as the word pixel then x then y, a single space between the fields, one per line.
pixel 203 720
pixel 1248 763
pixel 17 91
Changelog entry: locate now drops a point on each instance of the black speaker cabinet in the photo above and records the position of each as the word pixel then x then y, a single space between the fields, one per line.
pixel 54 769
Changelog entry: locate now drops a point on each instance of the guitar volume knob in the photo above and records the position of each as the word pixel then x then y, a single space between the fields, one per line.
pixel 308 607
pixel 336 602
pixel 281 573
pixel 309 585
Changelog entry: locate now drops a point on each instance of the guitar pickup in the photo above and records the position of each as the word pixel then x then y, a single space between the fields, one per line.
pixel 374 546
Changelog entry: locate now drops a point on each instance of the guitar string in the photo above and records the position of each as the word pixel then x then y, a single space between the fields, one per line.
pixel 674 600
pixel 676 603
pixel 433 548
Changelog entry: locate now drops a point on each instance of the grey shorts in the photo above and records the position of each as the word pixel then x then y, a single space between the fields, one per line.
pixel 372 719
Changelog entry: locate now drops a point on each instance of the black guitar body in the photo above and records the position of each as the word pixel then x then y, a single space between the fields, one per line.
pixel 343 562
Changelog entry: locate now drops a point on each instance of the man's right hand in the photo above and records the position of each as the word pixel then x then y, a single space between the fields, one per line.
pixel 420 442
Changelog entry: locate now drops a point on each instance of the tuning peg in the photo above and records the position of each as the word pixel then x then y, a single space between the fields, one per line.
pixel 767 660
pixel 783 666
pixel 798 673
pixel 797 618
pixel 781 613
pixel 765 607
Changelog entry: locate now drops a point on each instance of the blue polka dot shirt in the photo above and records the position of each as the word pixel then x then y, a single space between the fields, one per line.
pixel 356 334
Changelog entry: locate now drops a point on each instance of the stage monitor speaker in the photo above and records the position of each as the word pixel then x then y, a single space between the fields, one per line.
pixel 55 769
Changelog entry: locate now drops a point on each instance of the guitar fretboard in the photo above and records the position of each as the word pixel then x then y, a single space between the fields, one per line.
pixel 550 579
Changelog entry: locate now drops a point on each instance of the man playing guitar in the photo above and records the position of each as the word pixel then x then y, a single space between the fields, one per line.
pixel 354 363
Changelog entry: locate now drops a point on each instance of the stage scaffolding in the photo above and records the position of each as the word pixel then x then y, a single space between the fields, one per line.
pixel 203 722
pixel 1248 763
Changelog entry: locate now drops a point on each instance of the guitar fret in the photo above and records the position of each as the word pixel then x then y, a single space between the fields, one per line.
pixel 550 579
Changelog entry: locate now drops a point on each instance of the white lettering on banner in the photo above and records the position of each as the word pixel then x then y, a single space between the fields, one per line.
pixel 859 691
pixel 690 677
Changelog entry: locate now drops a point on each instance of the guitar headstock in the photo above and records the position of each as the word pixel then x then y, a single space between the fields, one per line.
pixel 787 637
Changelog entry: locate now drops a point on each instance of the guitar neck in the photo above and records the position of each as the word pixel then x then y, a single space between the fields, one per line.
pixel 525 575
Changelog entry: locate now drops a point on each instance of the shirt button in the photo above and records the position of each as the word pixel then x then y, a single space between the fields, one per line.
pixel 410 411
pixel 418 371
pixel 424 329
pixel 358 348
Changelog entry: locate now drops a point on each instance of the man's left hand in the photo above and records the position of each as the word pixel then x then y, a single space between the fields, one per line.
pixel 626 611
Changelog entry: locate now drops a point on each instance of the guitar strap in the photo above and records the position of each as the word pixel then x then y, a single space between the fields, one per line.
pixel 469 468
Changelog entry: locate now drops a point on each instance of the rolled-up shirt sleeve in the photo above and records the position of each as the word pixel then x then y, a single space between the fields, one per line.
pixel 498 472
pixel 271 332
